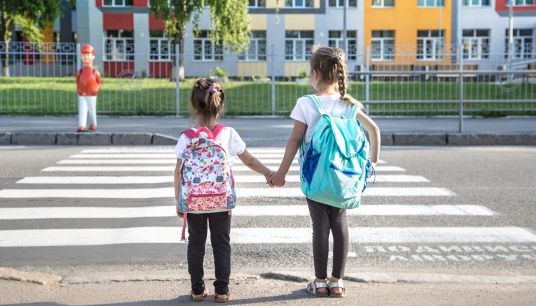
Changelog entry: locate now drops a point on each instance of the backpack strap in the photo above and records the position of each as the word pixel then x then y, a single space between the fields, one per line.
pixel 317 104
pixel 353 111
pixel 189 133
pixel 211 134
pixel 217 129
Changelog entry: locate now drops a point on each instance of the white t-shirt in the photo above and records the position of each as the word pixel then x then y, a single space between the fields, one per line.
pixel 228 138
pixel 305 111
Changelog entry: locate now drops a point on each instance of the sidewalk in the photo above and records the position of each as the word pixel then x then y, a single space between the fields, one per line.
pixel 266 292
pixel 164 131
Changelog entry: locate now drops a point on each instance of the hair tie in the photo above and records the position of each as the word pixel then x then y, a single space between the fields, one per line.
pixel 335 60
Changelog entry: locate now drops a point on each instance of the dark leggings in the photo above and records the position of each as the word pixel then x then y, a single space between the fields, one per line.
pixel 220 228
pixel 326 218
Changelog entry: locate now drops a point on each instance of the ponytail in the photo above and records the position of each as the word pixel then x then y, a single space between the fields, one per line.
pixel 207 100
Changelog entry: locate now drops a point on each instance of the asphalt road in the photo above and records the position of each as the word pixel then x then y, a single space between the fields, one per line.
pixel 498 182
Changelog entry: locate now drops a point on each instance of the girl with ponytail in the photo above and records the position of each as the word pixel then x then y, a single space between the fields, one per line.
pixel 328 78
pixel 206 105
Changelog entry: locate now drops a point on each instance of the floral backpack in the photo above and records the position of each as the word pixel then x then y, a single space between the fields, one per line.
pixel 206 181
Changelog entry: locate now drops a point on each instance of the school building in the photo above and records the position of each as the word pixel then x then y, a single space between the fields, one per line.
pixel 379 32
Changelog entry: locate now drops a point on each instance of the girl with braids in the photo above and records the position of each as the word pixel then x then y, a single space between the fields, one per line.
pixel 206 105
pixel 328 78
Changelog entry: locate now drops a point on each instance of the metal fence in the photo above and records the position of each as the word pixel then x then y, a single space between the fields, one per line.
pixel 411 82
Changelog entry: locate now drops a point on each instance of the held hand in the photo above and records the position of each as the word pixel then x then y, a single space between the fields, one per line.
pixel 268 178
pixel 278 179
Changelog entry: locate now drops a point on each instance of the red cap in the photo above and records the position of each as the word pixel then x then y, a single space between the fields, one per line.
pixel 87 49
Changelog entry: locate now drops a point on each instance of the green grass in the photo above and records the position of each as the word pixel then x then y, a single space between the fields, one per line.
pixel 57 96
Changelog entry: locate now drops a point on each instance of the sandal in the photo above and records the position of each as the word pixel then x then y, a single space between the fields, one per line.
pixel 199 297
pixel 222 298
pixel 313 287
pixel 336 285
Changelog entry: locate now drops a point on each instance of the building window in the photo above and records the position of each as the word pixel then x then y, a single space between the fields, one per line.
pixel 298 3
pixel 383 3
pixel 476 2
pixel 383 45
pixel 257 3
pixel 257 47
pixel 336 41
pixel 340 3
pixel 521 2
pixel 430 3
pixel 204 49
pixel 430 45
pixel 117 3
pixel 475 44
pixel 298 45
pixel 161 48
pixel 522 43
pixel 119 45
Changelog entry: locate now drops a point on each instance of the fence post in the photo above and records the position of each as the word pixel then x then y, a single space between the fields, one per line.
pixel 272 69
pixel 460 89
pixel 367 80
pixel 177 82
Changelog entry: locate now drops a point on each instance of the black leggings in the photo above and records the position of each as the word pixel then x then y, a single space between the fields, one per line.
pixel 326 218
pixel 220 228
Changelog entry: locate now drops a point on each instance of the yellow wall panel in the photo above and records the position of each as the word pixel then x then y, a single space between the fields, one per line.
pixel 300 22
pixel 258 22
pixel 249 69
pixel 293 68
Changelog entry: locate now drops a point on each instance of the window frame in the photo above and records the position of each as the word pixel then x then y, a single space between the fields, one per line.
pixel 257 4
pixel 338 4
pixel 482 43
pixel 307 44
pixel 257 56
pixel 384 56
pixel 337 42
pixel 522 4
pixel 436 56
pixel 160 40
pixel 426 5
pixel 127 41
pixel 206 41
pixel 382 5
pixel 293 4
pixel 518 37
pixel 469 3
pixel 114 4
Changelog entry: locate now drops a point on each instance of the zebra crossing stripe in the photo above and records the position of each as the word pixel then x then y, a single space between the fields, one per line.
pixel 236 168
pixel 155 235
pixel 30 213
pixel 110 180
pixel 265 157
pixel 148 161
pixel 150 193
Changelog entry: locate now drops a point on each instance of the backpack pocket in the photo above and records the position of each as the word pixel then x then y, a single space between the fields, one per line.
pixel 207 202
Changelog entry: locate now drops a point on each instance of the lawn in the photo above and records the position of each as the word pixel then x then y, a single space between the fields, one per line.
pixel 56 96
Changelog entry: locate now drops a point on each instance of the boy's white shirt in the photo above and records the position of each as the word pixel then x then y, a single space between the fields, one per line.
pixel 305 111
pixel 228 138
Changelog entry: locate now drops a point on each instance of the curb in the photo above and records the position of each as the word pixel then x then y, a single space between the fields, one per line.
pixel 430 278
pixel 145 139
pixel 32 277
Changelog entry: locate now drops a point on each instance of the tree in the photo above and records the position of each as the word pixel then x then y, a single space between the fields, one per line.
pixel 31 15
pixel 230 23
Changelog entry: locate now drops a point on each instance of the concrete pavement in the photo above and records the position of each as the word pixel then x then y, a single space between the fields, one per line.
pixel 165 130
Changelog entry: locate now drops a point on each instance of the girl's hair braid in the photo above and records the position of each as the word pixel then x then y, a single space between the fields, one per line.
pixel 331 66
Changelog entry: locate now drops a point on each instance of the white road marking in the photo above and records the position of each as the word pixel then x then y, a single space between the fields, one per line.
pixel 27 213
pixel 149 193
pixel 239 178
pixel 236 168
pixel 107 236
pixel 148 161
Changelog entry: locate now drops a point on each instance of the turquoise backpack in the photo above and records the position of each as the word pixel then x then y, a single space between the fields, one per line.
pixel 336 166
